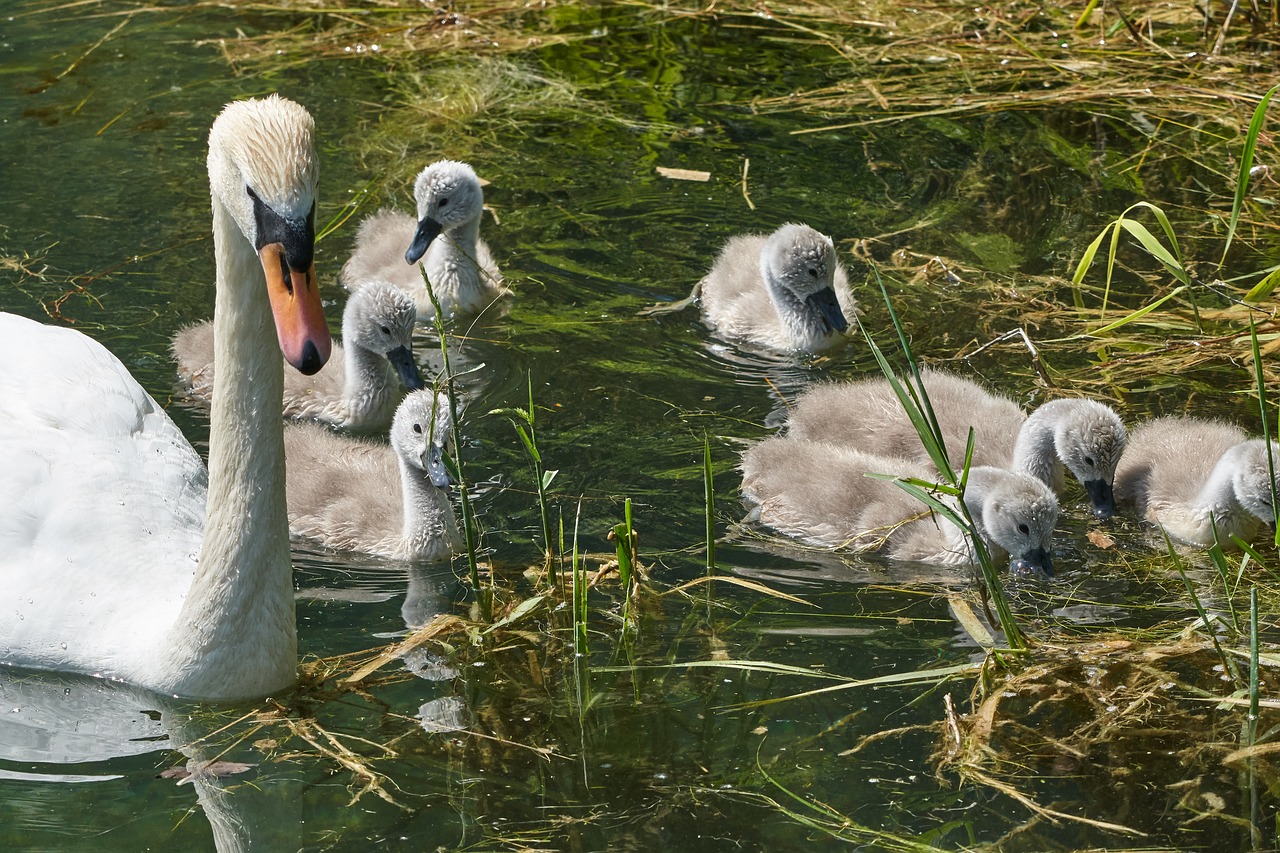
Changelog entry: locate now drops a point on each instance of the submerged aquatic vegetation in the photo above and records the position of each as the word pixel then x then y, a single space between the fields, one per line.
pixel 301 31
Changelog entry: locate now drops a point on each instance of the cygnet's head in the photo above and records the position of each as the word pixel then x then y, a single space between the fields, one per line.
pixel 1251 477
pixel 448 194
pixel 1017 514
pixel 1089 438
pixel 379 317
pixel 803 263
pixel 420 433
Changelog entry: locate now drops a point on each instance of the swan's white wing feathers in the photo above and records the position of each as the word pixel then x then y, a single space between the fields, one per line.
pixel 101 483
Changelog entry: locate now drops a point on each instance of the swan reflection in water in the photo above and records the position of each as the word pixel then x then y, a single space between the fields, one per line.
pixel 60 729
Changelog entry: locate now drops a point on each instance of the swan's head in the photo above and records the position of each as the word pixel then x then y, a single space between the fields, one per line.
pixel 379 317
pixel 420 433
pixel 1016 513
pixel 448 195
pixel 1089 438
pixel 262 170
pixel 802 262
pixel 1251 477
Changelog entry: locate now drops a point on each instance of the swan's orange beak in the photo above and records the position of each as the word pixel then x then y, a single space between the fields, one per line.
pixel 295 302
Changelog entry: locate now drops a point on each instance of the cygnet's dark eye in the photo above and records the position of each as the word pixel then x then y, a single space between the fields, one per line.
pixel 385 330
pixel 417 428
pixel 1088 461
pixel 813 273
pixel 443 202
pixel 1023 529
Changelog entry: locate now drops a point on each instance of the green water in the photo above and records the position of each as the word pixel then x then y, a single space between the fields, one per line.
pixel 106 203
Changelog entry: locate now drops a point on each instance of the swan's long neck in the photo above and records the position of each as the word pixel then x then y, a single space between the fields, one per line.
pixel 237 620
pixel 1035 451
pixel 429 530
pixel 368 385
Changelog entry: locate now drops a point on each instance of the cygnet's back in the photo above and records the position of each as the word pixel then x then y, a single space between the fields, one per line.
pixel 786 291
pixel 1083 436
pixel 820 493
pixel 867 415
pixel 1191 475
pixel 445 237
pixel 361 495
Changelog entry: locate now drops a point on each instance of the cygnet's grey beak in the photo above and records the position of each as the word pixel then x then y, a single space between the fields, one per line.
pixel 828 307
pixel 434 464
pixel 428 230
pixel 1032 562
pixel 401 359
pixel 1102 499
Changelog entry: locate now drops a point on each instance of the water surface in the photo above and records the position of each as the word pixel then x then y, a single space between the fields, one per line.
pixel 105 227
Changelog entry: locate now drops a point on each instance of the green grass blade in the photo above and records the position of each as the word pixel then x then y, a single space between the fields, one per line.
pixel 1136 315
pixel 1156 249
pixel 1260 386
pixel 1264 288
pixel 1246 166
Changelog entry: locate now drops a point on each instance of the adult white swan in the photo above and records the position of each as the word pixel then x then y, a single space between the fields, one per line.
pixel 119 555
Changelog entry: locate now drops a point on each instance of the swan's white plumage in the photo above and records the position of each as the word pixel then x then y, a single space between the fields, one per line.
pixel 96 476
pixel 119 556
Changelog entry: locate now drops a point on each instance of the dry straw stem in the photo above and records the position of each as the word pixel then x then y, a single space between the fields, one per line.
pixel 950 59
pixel 328 745
pixel 1093 709
pixel 390 29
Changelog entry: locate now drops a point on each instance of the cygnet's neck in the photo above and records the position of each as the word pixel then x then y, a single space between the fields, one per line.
pixel 235 634
pixel 429 530
pixel 454 268
pixel 368 386
pixel 799 322
pixel 1035 451
pixel 1218 496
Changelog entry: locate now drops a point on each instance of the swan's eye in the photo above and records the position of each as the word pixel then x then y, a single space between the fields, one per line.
pixel 1024 530
pixel 813 273
pixel 385 330
pixel 1088 461
pixel 417 428
pixel 442 202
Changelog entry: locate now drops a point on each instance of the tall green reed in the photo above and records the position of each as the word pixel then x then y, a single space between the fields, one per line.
pixel 624 536
pixel 525 423
pixel 914 400
pixel 451 391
